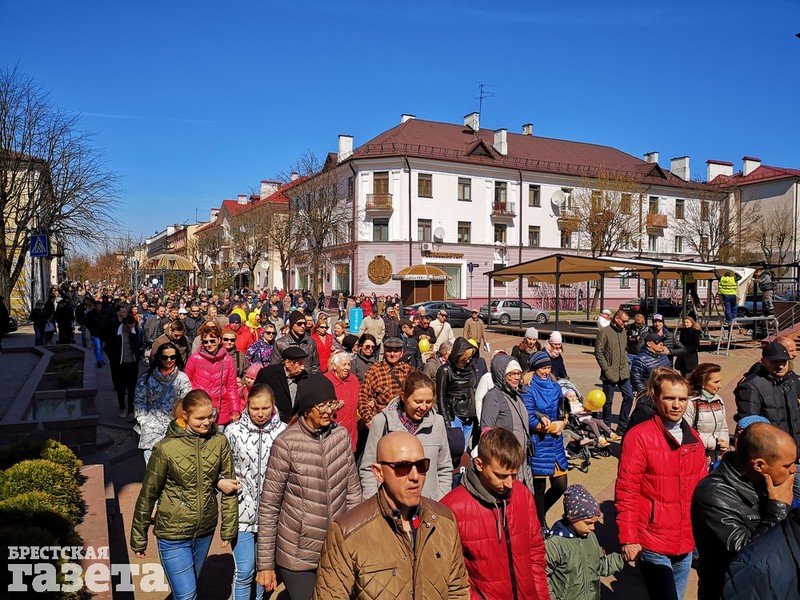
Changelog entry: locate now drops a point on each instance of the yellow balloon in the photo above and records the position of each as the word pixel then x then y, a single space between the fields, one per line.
pixel 594 400
pixel 424 346
pixel 241 313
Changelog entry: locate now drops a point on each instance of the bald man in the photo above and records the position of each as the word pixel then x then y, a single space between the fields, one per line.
pixel 397 544
pixel 746 495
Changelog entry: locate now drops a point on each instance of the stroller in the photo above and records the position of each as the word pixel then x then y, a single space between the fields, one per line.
pixel 579 442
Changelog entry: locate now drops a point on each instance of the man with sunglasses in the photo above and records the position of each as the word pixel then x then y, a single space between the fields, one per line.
pixel 397 544
pixel 193 321
pixel 297 337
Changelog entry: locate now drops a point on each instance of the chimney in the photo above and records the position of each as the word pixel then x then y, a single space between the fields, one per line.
pixel 680 167
pixel 473 121
pixel 527 129
pixel 714 168
pixel 405 117
pixel 242 199
pixel 651 157
pixel 268 188
pixel 750 164
pixel 345 147
pixel 214 214
pixel 295 176
pixel 501 141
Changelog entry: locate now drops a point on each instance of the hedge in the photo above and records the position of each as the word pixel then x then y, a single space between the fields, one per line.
pixel 44 476
pixel 46 449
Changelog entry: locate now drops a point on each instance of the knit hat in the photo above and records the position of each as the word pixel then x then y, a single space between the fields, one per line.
pixel 539 360
pixel 252 370
pixel 313 390
pixel 235 318
pixel 532 333
pixel 745 422
pixel 555 338
pixel 349 341
pixel 295 317
pixel 579 504
pixel 512 365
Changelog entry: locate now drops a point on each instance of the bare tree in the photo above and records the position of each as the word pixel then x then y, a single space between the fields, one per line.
pixel 51 180
pixel 319 213
pixel 284 241
pixel 204 250
pixel 249 236
pixel 773 234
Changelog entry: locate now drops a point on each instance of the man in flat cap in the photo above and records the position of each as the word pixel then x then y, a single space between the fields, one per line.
pixel 297 337
pixel 283 379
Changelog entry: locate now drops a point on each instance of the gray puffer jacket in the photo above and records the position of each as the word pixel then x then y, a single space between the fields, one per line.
pixel 431 433
pixel 153 402
pixel 305 342
pixel 312 481
pixel 502 406
pixel 251 445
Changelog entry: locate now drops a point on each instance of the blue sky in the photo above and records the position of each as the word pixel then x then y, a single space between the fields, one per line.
pixel 194 102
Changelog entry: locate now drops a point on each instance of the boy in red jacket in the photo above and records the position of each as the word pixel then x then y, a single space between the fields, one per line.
pixel 496 515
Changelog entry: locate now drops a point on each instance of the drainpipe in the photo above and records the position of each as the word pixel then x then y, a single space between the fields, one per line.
pixel 410 242
pixel 520 215
pixel 354 240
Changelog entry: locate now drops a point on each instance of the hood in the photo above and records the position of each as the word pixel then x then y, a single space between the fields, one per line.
pixel 219 356
pixel 563 529
pixel 471 481
pixel 461 345
pixel 499 366
pixel 269 426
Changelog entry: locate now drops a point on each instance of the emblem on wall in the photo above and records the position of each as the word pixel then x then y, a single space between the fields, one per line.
pixel 379 270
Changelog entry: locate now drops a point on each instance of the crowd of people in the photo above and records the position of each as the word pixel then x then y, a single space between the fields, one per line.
pixel 399 462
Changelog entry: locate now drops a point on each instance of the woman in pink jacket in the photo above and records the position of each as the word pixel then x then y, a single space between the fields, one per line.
pixel 212 370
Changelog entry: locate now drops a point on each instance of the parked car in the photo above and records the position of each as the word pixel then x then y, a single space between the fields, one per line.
pixel 666 307
pixel 456 315
pixel 507 311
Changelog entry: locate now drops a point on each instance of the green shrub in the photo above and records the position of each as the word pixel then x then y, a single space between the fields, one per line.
pixel 44 476
pixel 47 449
pixel 38 509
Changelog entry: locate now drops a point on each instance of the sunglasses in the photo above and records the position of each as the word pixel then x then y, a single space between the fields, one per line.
pixel 228 339
pixel 368 346
pixel 210 341
pixel 403 468
pixel 168 357
pixel 269 332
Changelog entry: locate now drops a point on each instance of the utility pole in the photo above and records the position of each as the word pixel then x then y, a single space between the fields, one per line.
pixel 482 93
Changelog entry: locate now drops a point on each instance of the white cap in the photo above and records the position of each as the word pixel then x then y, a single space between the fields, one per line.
pixel 555 338
pixel 606 311
pixel 532 333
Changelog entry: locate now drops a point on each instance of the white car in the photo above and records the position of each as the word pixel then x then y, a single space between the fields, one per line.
pixel 507 311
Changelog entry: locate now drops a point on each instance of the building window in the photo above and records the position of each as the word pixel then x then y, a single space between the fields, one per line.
pixel 678 244
pixel 533 236
pixel 351 187
pixel 496 282
pixel 500 191
pixel 680 208
pixel 380 230
pixel 703 246
pixel 597 201
pixel 349 233
pixel 500 233
pixel 534 196
pixel 464 232
pixel 652 243
pixel 425 185
pixel 424 229
pixel 704 210
pixel 624 282
pixel 626 204
pixel 380 182
pixel 566 238
pixel 465 189
pixel 653 206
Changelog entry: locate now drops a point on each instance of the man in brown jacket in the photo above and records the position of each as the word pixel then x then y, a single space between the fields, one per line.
pixel 474 328
pixel 397 544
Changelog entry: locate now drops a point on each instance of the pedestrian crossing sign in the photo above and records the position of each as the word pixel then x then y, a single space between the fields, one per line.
pixel 39 246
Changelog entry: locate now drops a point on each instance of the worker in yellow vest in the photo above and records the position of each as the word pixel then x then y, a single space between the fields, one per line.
pixel 728 288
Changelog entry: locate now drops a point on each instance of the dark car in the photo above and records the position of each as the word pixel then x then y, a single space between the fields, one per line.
pixel 456 315
pixel 666 308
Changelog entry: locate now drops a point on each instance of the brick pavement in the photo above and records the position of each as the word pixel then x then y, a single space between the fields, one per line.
pixel 126 474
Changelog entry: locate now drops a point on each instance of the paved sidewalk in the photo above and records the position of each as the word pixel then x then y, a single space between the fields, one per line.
pixel 126 471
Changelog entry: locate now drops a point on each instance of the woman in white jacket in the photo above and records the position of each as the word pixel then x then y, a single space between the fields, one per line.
pixel 706 410
pixel 250 439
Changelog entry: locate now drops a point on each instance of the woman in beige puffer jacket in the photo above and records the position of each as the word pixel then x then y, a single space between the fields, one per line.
pixel 312 480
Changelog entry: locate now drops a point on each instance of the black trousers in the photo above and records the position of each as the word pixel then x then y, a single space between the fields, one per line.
pixel 124 377
pixel 299 584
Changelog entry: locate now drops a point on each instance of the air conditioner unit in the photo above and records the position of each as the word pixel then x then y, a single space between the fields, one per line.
pixel 427 247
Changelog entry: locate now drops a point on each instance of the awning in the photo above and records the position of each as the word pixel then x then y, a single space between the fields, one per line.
pixel 421 273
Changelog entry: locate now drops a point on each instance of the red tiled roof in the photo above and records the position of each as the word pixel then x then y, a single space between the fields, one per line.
pixel 457 143
pixel 758 175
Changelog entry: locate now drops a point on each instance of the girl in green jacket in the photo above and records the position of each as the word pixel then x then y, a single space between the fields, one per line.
pixel 181 477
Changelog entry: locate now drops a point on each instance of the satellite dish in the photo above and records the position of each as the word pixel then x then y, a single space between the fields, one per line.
pixel 558 199
pixel 438 234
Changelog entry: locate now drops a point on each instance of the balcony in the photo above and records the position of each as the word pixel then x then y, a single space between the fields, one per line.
pixel 567 221
pixel 379 204
pixel 503 210
pixel 656 222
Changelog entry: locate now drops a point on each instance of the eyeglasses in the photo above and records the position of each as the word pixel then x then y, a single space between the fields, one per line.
pixel 329 406
pixel 228 339
pixel 210 341
pixel 514 374
pixel 403 468
pixel 392 350
pixel 322 326
pixel 168 357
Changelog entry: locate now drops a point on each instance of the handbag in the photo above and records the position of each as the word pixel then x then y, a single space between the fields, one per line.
pixel 49 327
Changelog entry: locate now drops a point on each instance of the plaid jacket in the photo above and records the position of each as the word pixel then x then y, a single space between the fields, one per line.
pixel 380 386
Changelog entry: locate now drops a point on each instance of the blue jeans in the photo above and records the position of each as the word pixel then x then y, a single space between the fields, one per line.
pixel 729 301
pixel 665 576
pixel 466 427
pixel 182 561
pixel 38 333
pixel 244 566
pixel 627 403
pixel 97 345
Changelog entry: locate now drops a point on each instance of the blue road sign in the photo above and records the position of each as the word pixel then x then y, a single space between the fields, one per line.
pixel 39 246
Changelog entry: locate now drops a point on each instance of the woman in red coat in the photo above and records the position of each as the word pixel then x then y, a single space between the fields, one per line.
pixel 346 385
pixel 324 342
pixel 212 370
pixel 661 463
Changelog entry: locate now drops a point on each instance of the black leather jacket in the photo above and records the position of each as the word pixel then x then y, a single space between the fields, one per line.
pixel 455 387
pixel 727 512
